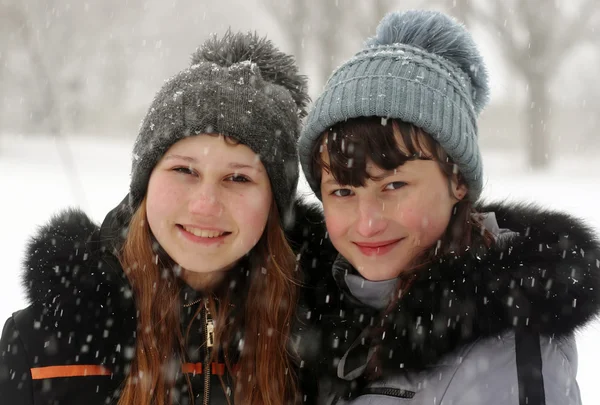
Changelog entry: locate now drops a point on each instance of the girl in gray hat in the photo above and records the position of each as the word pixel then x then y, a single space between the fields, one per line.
pixel 186 292
pixel 435 297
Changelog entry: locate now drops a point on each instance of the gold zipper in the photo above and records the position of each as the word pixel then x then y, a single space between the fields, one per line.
pixel 209 336
pixel 189 304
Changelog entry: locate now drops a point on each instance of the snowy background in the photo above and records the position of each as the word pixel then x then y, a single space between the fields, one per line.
pixel 76 79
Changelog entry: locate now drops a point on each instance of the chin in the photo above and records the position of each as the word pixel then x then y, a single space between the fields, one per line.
pixel 208 268
pixel 378 273
pixel 205 270
pixel 379 277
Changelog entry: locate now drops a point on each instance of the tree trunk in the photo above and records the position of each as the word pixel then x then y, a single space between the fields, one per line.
pixel 50 118
pixel 325 35
pixel 538 118
pixel 299 32
pixel 3 61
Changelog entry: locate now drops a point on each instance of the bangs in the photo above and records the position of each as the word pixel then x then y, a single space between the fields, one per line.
pixel 354 143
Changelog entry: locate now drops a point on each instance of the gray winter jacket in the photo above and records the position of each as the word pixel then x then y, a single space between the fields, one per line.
pixel 491 328
pixel 484 372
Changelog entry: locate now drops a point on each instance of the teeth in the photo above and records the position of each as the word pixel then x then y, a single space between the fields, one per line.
pixel 203 233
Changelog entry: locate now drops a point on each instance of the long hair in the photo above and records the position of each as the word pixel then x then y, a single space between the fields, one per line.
pixel 263 373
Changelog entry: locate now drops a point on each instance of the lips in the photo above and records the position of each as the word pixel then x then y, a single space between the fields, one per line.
pixel 377 248
pixel 202 235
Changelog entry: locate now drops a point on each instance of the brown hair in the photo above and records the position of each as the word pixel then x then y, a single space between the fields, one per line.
pixel 266 316
pixel 353 143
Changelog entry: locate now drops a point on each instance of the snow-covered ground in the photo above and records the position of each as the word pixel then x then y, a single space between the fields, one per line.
pixel 37 179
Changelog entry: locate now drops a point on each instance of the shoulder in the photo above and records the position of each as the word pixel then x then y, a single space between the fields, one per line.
pixel 68 264
pixel 36 356
pixel 498 370
pixel 523 344
pixel 15 377
pixel 34 338
pixel 543 277
pixel 80 302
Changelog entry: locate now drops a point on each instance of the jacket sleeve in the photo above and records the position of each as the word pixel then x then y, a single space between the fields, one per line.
pixel 516 370
pixel 15 374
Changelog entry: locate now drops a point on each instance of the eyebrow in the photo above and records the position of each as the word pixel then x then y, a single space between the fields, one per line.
pixel 388 173
pixel 235 165
pixel 383 176
pixel 181 157
pixel 232 165
pixel 331 180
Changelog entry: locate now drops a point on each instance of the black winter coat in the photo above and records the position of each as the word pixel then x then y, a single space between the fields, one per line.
pixel 74 343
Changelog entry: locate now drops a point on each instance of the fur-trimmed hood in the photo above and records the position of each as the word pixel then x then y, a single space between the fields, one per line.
pixel 544 276
pixel 70 260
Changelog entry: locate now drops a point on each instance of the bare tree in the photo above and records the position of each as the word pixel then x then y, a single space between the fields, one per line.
pixel 45 110
pixel 325 32
pixel 294 16
pixel 47 94
pixel 535 37
pixel 308 27
pixel 76 52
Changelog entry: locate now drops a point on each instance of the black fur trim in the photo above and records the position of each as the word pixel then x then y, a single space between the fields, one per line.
pixel 308 238
pixel 65 262
pixel 81 303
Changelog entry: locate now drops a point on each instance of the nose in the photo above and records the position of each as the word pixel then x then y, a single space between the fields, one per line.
pixel 371 219
pixel 205 200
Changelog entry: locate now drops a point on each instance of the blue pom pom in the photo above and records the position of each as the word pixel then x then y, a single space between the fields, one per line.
pixel 438 34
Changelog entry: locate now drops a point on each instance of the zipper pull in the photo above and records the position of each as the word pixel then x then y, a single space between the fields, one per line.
pixel 209 326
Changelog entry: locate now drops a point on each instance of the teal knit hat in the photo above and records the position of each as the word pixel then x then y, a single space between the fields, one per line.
pixel 422 67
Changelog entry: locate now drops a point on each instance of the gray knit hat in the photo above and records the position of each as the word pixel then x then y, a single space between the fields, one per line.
pixel 239 86
pixel 422 67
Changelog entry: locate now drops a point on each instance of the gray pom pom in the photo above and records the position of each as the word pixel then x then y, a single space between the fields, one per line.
pixel 275 66
pixel 441 35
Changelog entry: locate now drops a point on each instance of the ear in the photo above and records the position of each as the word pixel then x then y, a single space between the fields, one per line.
pixel 459 190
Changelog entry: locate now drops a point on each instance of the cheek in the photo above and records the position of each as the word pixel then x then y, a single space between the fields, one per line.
pixel 426 218
pixel 336 222
pixel 251 211
pixel 414 217
pixel 161 200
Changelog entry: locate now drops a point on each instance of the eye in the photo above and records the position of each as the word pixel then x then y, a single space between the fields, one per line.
pixel 395 185
pixel 238 178
pixel 342 192
pixel 184 170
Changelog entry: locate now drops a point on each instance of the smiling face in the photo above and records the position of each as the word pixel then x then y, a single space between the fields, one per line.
pixel 381 226
pixel 208 202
